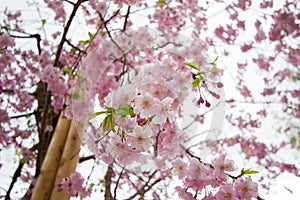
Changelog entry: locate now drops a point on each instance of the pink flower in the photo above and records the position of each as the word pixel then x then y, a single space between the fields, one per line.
pixel 142 105
pixel 262 62
pixel 179 168
pixel 245 91
pixel 246 47
pixel 161 111
pixel 184 194
pixel 141 138
pixel 245 189
pixel 226 192
pixel 268 91
pixel 221 164
pixel 197 169
pixel 124 95
pixel 6 41
pixel 243 4
pixel 74 186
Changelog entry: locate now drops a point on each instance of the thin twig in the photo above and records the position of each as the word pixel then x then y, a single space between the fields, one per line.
pixel 146 187
pixel 23 115
pixel 126 19
pixel 66 29
pixel 35 36
pixel 17 174
pixel 116 187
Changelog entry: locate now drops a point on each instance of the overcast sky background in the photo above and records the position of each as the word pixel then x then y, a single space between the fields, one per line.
pixel 277 192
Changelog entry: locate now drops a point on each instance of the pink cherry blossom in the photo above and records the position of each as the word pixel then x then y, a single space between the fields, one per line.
pixel 161 111
pixel 184 194
pixel 140 138
pixel 222 165
pixel 142 104
pixel 179 168
pixel 226 192
pixel 74 186
pixel 245 189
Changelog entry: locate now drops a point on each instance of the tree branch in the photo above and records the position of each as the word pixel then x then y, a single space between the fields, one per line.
pixel 146 187
pixel 126 19
pixel 83 159
pixel 16 175
pixel 107 178
pixel 66 29
pixel 116 187
pixel 36 36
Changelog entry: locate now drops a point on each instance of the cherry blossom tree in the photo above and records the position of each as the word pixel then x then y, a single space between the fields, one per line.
pixel 131 99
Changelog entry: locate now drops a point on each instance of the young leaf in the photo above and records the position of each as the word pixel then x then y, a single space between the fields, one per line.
pixel 124 109
pixel 213 69
pixel 162 3
pixel 111 122
pixel 95 115
pixel 249 171
pixel 43 21
pixel 216 59
pixel 90 35
pixel 104 123
pixel 196 82
pixel 193 65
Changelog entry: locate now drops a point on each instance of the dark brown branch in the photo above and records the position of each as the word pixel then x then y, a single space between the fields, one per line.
pixel 126 19
pixel 107 178
pixel 14 179
pixel 36 36
pixel 108 31
pixel 23 115
pixel 70 2
pixel 73 46
pixel 7 91
pixel 146 187
pixel 16 175
pixel 156 144
pixel 83 159
pixel 66 29
pixel 116 187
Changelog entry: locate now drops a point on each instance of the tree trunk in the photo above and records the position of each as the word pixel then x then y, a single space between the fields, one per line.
pixel 46 178
pixel 68 161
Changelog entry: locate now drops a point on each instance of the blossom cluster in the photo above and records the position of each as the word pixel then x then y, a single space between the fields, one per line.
pixel 73 185
pixel 198 175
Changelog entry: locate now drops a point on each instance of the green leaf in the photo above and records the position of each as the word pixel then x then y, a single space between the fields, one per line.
pixel 249 171
pixel 293 141
pixel 96 114
pixel 124 109
pixel 196 82
pixel 43 21
pixel 216 59
pixel 111 122
pixel 84 41
pixel 213 69
pixel 91 35
pixel 162 3
pixel 104 123
pixel 23 160
pixel 193 65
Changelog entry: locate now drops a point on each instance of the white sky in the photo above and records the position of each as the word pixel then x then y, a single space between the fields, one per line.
pixel 277 192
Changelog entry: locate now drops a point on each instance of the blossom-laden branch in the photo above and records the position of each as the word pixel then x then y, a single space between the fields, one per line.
pixel 140 133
